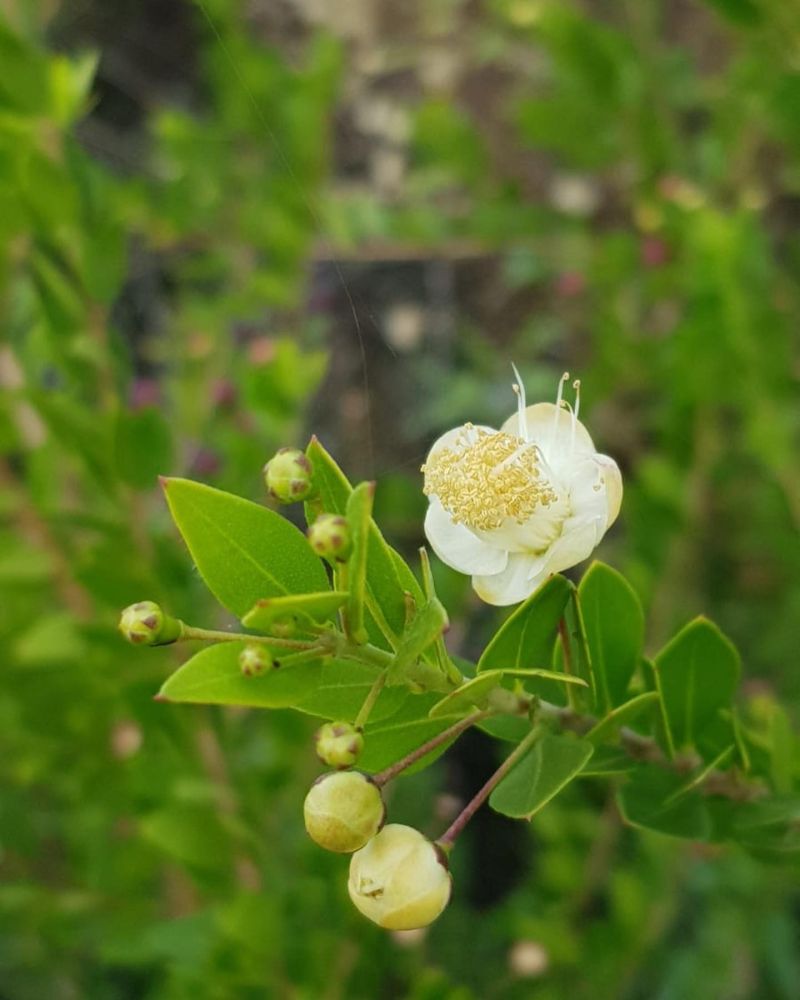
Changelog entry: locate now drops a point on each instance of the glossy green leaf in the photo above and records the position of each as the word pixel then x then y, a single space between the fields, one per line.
pixel 696 673
pixel 541 774
pixel 614 621
pixel 577 658
pixel 213 677
pixel 390 739
pixel 303 607
pixel 341 688
pixel 509 728
pixel 608 726
pixel 647 799
pixel 243 551
pixel 359 518
pixel 608 762
pixel 389 578
pixel 474 692
pixel 526 638
pixel 424 629
pixel 439 652
pixel 695 780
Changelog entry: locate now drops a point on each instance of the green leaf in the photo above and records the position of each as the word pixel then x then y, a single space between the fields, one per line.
pixel 614 622
pixel 243 551
pixel 607 727
pixel 359 518
pixel 425 628
pixel 769 830
pixel 608 762
pixel 580 660
pixel 341 689
pixel 541 774
pixel 526 638
pixel 696 674
pixel 509 728
pixel 213 677
pixel 389 578
pixel 391 739
pixel 696 780
pixel 647 800
pixel 474 692
pixel 303 607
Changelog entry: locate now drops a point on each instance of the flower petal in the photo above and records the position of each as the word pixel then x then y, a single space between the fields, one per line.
pixel 551 429
pixel 588 495
pixel 456 545
pixel 612 479
pixel 577 542
pixel 510 586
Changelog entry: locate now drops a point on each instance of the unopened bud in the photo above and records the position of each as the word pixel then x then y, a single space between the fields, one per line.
pixel 400 879
pixel 255 659
pixel 329 537
pixel 343 810
pixel 289 476
pixel 339 744
pixel 145 624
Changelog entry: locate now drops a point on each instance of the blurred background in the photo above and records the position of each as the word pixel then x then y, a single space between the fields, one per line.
pixel 224 226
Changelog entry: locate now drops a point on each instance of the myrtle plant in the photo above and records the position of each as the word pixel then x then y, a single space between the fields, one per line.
pixel 337 625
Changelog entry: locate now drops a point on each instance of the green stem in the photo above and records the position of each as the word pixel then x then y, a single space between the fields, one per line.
pixel 448 838
pixel 369 701
pixel 306 656
pixel 341 582
pixel 450 733
pixel 367 654
pixel 217 635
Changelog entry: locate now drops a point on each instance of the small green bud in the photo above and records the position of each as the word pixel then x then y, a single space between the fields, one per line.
pixel 343 810
pixel 400 880
pixel 145 624
pixel 329 537
pixel 339 744
pixel 255 659
pixel 289 476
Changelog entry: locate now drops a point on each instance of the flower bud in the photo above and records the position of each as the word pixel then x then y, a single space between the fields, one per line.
pixel 339 744
pixel 343 810
pixel 145 624
pixel 400 879
pixel 289 476
pixel 255 659
pixel 329 537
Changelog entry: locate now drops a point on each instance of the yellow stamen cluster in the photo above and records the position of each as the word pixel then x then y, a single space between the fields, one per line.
pixel 487 478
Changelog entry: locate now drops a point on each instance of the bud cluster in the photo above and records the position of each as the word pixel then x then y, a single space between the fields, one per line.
pixel 398 878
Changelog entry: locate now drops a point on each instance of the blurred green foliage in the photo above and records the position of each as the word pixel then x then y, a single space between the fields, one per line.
pixel 153 322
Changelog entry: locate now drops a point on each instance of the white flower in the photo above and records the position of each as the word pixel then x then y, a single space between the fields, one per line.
pixel 511 507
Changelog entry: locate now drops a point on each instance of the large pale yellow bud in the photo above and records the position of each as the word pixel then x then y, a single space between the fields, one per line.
pixel 343 810
pixel 400 879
